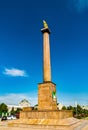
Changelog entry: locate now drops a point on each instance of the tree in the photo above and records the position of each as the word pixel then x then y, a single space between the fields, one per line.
pixel 64 108
pixel 79 109
pixel 18 110
pixel 36 107
pixel 3 108
pixel 12 111
pixel 69 108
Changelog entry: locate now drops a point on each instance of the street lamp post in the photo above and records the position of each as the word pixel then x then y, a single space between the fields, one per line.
pixel 76 107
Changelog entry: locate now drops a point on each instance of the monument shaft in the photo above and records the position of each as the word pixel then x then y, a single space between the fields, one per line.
pixel 46 58
pixel 47 89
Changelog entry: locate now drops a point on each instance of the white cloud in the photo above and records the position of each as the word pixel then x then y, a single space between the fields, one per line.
pixel 14 99
pixel 80 5
pixel 14 72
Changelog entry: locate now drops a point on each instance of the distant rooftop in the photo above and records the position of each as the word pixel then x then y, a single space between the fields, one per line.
pixel 24 100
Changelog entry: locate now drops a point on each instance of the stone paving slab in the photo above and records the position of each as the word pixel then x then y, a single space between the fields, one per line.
pixel 44 122
pixel 82 125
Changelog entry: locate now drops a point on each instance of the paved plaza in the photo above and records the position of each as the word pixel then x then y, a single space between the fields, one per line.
pixel 83 125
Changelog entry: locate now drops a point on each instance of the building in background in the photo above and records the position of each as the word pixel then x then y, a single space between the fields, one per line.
pixel 85 107
pixel 23 103
pixel 59 106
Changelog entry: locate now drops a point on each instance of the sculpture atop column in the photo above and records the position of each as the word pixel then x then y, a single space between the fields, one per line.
pixel 45 24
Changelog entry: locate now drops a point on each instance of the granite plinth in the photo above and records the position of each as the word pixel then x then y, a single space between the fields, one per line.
pixel 45 99
pixel 60 124
pixel 27 108
pixel 46 114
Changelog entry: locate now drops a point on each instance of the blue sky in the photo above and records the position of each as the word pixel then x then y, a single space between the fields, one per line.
pixel 21 49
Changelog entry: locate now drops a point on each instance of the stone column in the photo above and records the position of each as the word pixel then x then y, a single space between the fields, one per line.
pixel 46 55
pixel 47 89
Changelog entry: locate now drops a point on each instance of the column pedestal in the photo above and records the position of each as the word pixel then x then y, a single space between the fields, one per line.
pixel 46 100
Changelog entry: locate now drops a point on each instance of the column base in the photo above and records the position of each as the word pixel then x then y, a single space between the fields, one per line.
pixel 46 101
